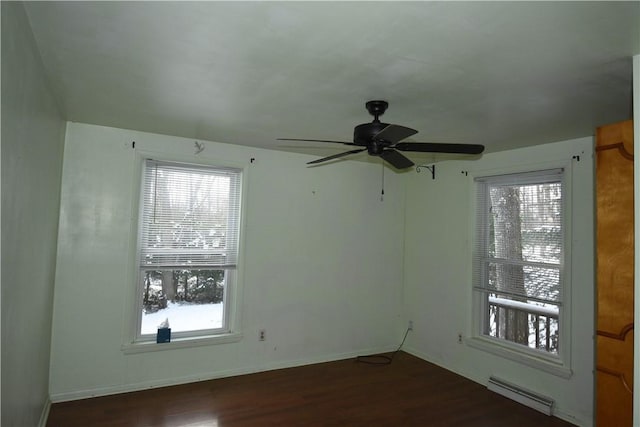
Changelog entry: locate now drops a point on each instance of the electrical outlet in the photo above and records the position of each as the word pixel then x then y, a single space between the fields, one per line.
pixel 410 327
pixel 262 335
pixel 459 338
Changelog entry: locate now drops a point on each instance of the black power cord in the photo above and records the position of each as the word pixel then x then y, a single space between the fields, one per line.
pixel 382 359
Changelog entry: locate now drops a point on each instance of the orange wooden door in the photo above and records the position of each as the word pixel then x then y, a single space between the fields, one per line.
pixel 615 271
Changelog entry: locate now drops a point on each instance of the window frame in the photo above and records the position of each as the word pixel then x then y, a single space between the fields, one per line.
pixel 555 364
pixel 134 341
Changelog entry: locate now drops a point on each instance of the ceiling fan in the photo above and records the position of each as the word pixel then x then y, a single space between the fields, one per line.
pixel 383 140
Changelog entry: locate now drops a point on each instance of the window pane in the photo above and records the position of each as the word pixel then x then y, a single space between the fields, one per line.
pixel 190 216
pixel 525 239
pixel 529 323
pixel 519 257
pixel 530 281
pixel 191 299
pixel 527 222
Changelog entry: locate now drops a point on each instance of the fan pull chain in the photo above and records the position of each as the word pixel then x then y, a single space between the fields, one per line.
pixel 382 192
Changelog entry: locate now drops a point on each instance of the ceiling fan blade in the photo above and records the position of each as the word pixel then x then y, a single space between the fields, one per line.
pixel 335 156
pixel 432 147
pixel 394 133
pixel 315 140
pixel 396 159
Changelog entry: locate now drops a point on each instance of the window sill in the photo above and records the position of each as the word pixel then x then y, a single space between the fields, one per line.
pixel 148 346
pixel 555 367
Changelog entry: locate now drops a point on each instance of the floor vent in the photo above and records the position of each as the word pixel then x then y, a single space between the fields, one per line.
pixel 526 397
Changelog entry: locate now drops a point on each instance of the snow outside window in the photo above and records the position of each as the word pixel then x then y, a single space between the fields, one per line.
pixel 187 248
pixel 519 260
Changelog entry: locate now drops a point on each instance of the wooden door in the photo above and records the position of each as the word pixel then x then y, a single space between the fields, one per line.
pixel 615 271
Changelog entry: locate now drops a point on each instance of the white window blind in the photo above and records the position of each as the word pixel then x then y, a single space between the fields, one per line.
pixel 190 216
pixel 519 244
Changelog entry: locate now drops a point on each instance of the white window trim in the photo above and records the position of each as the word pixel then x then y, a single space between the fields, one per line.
pixel 204 340
pixel 559 365
pixel 521 354
pixel 132 342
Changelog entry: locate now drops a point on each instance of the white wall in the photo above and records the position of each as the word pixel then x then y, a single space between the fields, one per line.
pixel 438 275
pixel 32 144
pixel 322 265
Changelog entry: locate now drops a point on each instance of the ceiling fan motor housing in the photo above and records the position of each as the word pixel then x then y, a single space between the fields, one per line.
pixel 363 135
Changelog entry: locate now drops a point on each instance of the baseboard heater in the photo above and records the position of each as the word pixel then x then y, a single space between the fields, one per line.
pixel 528 398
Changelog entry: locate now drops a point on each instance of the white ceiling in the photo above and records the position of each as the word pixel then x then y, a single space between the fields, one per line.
pixel 503 74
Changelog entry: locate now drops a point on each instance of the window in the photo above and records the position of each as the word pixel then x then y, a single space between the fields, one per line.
pixel 519 260
pixel 187 248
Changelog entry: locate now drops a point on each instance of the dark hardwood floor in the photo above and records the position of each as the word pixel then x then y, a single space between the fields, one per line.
pixel 409 392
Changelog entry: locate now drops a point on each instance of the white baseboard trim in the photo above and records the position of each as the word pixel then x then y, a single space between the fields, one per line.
pixel 557 412
pixel 424 356
pixel 145 385
pixel 45 414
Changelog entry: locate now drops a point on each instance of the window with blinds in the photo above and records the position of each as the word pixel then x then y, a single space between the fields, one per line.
pixel 519 257
pixel 188 246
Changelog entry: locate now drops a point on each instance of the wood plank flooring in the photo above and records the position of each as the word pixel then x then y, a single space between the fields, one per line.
pixel 409 392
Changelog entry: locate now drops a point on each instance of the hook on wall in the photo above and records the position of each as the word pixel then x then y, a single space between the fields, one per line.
pixel 431 168
pixel 199 147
